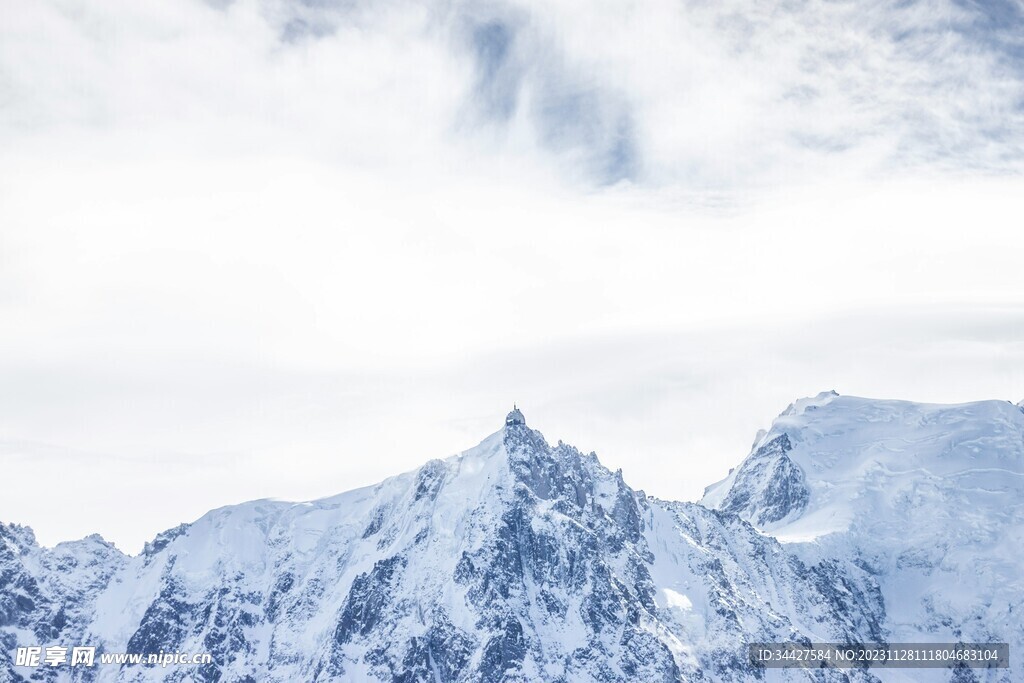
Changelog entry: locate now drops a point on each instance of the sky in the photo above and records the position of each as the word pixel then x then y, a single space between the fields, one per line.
pixel 257 248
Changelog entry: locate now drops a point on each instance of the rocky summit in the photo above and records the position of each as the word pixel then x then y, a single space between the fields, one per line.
pixel 851 520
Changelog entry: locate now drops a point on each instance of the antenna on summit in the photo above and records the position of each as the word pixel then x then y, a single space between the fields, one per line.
pixel 515 417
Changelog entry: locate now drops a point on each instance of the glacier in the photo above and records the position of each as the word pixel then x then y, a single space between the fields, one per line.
pixel 851 520
pixel 929 499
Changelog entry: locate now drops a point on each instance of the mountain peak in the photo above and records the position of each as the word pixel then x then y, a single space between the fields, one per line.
pixel 844 455
pixel 518 560
pixel 918 492
pixel 515 417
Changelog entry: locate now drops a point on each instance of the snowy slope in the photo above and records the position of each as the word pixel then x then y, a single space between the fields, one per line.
pixel 521 561
pixel 928 498
pixel 514 561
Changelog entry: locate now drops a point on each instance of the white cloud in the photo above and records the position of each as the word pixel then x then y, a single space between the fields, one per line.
pixel 709 95
pixel 290 248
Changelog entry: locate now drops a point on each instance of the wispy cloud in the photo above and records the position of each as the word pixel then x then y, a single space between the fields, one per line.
pixel 339 237
pixel 724 94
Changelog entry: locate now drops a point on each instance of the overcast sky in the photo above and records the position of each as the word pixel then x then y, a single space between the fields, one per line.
pixel 283 249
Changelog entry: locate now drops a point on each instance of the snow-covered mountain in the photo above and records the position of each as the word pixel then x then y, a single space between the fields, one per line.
pixel 929 499
pixel 521 561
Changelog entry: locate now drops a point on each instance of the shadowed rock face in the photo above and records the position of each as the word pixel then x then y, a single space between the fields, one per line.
pixel 514 561
pixel 557 546
pixel 768 486
pixel 48 595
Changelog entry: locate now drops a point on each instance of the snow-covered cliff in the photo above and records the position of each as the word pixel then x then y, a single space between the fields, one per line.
pixel 517 560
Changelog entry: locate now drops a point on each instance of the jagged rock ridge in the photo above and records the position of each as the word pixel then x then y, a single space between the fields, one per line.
pixel 513 561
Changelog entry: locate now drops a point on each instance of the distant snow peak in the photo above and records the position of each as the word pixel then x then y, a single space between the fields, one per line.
pixel 918 494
